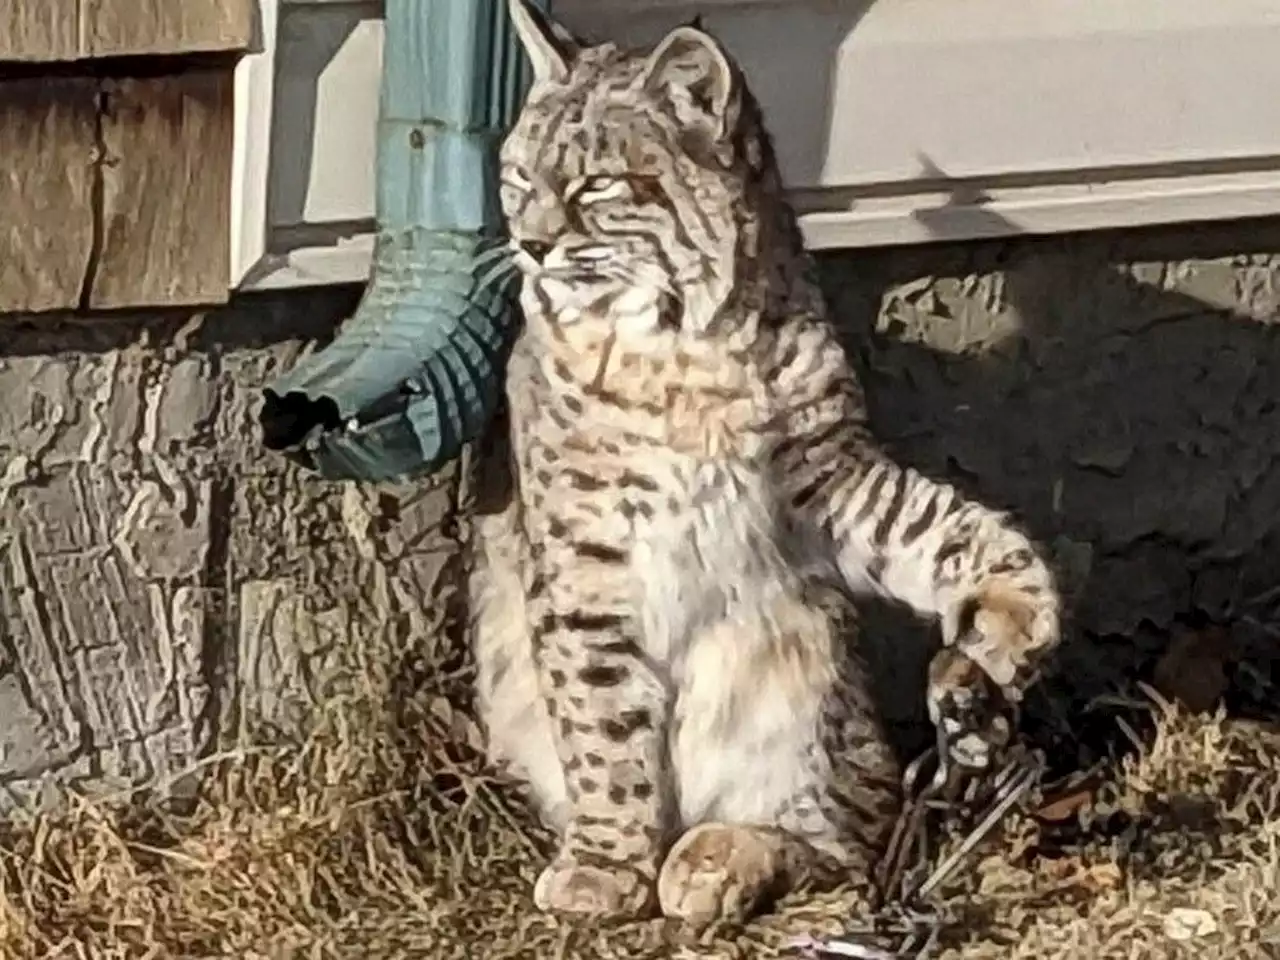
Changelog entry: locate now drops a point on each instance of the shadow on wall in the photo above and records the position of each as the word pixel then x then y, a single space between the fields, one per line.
pixel 1119 392
pixel 819 30
pixel 321 70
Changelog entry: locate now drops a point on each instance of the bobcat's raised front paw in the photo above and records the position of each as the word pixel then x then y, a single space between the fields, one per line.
pixel 1007 630
pixel 615 892
pixel 967 708
pixel 721 871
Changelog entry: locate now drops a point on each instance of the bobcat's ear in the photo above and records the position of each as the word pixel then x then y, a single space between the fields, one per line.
pixel 692 71
pixel 550 47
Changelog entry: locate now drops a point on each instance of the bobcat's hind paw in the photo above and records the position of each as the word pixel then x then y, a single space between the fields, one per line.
pixel 720 871
pixel 618 892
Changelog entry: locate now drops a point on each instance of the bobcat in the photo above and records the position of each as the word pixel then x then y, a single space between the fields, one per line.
pixel 661 619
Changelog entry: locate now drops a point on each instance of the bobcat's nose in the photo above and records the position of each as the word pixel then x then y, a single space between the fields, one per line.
pixel 537 249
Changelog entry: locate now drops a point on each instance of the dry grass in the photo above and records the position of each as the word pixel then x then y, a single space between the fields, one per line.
pixel 381 838
pixel 1178 856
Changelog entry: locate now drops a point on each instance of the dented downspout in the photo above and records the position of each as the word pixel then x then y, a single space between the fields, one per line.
pixel 415 373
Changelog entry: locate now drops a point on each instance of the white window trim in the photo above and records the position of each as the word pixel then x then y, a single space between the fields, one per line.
pixel 253 267
pixel 1162 175
pixel 251 152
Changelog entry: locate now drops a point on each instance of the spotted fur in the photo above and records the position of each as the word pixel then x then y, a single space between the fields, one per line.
pixel 662 619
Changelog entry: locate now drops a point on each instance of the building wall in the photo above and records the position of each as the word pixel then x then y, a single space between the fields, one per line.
pixel 164 581
pixel 161 577
pixel 1119 390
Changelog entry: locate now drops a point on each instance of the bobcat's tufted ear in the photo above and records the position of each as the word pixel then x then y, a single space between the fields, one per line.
pixel 693 71
pixel 550 47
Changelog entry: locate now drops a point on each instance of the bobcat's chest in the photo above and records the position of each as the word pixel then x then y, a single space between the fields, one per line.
pixel 642 470
pixel 691 399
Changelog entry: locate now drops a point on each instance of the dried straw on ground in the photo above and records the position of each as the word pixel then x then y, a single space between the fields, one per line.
pixel 381 839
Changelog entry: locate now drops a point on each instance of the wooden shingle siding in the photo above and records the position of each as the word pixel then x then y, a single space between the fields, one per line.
pixel 53 30
pixel 166 191
pixel 44 30
pixel 117 124
pixel 46 233
pixel 116 191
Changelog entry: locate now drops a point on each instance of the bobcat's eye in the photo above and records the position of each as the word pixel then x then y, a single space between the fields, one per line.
pixel 600 189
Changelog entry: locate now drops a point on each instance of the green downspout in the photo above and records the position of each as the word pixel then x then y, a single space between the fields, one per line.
pixel 415 373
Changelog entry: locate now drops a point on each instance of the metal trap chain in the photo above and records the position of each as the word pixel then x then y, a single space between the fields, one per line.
pixel 904 879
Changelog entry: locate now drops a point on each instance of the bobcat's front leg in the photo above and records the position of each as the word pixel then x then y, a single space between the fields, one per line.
pixel 923 544
pixel 608 712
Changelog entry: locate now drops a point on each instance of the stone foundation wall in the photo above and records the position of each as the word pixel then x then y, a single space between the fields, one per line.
pixel 1120 391
pixel 163 580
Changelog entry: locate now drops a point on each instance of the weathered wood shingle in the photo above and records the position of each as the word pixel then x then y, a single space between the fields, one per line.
pixel 46 184
pixel 166 191
pixel 116 191
pixel 50 30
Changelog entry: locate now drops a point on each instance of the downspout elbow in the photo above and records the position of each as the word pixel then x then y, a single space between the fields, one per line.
pixel 416 372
